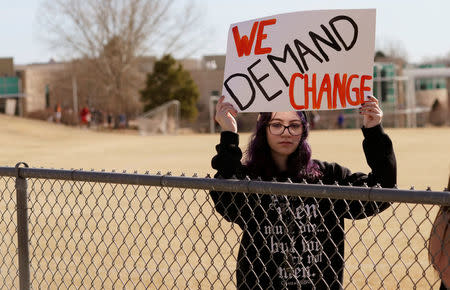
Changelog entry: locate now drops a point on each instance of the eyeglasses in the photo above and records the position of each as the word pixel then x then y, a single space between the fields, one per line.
pixel 295 129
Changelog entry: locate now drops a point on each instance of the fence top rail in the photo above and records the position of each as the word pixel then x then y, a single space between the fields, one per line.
pixel 234 185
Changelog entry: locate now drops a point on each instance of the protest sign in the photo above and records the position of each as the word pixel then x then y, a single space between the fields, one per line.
pixel 311 60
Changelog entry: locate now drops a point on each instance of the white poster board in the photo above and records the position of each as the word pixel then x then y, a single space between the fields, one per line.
pixel 311 60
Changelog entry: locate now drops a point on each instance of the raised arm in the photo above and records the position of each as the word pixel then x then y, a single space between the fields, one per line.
pixel 225 116
pixel 378 146
pixel 380 157
pixel 231 205
pixel 227 162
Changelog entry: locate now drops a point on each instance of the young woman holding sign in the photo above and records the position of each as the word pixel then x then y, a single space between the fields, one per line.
pixel 293 242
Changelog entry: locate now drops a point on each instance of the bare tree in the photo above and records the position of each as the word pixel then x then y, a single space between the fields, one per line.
pixel 392 48
pixel 445 60
pixel 109 37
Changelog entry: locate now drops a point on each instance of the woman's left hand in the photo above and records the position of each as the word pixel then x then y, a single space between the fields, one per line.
pixel 372 112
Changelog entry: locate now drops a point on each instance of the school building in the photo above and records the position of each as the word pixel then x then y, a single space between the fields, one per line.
pixel 11 97
pixel 27 89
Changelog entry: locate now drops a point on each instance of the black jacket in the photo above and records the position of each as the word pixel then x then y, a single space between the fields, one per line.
pixel 292 242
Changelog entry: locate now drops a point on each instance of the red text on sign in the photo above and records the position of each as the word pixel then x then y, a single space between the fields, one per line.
pixel 244 44
pixel 342 85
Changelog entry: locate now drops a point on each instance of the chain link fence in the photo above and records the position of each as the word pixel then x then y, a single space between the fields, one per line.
pixel 117 230
pixel 8 229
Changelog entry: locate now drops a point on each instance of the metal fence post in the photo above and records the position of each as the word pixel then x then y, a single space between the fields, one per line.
pixel 22 229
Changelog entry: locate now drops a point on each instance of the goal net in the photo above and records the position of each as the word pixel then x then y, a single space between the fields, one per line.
pixel 160 120
pixel 212 112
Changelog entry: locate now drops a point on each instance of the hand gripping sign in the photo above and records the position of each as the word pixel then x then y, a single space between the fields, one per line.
pixel 312 60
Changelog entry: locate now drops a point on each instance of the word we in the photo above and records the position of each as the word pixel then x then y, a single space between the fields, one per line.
pixel 244 45
pixel 301 58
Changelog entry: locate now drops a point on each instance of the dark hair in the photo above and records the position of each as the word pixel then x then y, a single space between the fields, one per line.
pixel 258 158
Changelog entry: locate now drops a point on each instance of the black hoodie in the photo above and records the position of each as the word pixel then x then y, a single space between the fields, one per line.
pixel 293 242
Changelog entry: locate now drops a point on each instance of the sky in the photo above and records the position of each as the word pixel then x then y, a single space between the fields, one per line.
pixel 418 27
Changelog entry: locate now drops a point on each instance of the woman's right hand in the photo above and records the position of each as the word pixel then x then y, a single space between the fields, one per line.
pixel 225 116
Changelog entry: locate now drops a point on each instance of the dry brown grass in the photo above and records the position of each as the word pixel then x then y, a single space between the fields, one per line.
pixel 422 156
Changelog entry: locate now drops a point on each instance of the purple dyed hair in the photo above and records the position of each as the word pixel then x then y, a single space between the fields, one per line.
pixel 258 158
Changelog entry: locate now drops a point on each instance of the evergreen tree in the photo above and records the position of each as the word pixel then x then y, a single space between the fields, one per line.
pixel 169 81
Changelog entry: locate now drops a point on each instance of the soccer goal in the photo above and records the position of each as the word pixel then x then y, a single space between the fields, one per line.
pixel 164 119
pixel 212 112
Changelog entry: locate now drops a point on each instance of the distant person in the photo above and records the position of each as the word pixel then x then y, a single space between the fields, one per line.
pixel 109 120
pixel 93 121
pixel 85 116
pixel 294 242
pixel 122 121
pixel 58 113
pixel 439 245
pixel 315 119
pixel 340 121
pixel 96 117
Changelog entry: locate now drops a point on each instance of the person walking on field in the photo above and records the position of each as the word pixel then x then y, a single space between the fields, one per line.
pixel 294 242
pixel 85 116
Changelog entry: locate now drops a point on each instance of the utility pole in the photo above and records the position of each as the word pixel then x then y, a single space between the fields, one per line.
pixel 75 95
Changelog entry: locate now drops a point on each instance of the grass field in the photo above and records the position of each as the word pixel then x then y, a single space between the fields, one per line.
pixel 423 154
pixel 399 233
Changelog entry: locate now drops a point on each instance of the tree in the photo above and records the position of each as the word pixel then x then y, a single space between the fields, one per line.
pixel 169 81
pixel 392 48
pixel 379 54
pixel 108 38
